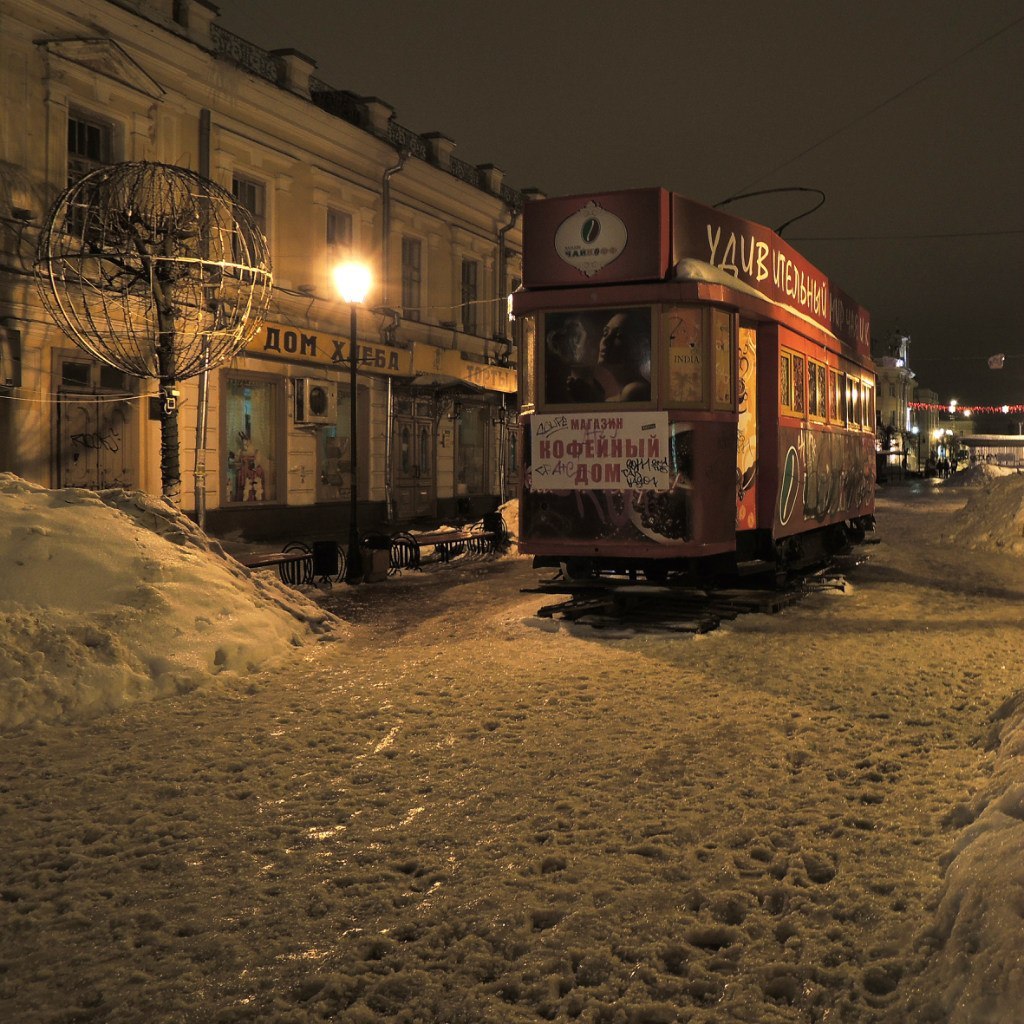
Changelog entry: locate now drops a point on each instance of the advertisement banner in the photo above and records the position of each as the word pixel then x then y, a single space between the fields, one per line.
pixel 621 452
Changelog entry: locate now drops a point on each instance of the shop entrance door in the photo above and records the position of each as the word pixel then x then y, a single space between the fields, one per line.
pixel 95 442
pixel 413 470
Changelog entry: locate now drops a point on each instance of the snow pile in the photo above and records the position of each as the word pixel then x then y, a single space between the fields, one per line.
pixel 113 596
pixel 993 517
pixel 975 971
pixel 510 514
pixel 978 475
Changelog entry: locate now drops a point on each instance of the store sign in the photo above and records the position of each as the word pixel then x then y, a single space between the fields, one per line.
pixel 590 239
pixel 279 341
pixel 601 238
pixel 428 359
pixel 626 451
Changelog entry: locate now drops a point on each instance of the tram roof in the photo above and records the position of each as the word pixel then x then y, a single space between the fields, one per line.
pixel 651 235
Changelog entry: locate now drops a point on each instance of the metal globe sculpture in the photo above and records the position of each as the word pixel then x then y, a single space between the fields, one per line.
pixel 158 272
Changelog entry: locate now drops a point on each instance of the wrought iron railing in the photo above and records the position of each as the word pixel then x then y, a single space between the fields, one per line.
pixel 466 172
pixel 345 105
pixel 402 138
pixel 245 54
pixel 340 103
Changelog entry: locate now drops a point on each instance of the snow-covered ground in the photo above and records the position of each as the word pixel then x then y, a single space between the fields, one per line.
pixel 416 801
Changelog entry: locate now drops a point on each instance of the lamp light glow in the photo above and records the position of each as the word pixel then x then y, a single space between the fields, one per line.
pixel 352 281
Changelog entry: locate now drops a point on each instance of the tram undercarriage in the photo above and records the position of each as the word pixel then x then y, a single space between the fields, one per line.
pixel 757 556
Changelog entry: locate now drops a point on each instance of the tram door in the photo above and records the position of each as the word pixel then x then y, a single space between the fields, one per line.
pixel 413 471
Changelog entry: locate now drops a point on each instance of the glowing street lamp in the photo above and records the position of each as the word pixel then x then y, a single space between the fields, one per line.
pixel 353 283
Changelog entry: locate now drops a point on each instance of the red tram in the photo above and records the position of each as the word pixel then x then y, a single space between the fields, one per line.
pixel 695 395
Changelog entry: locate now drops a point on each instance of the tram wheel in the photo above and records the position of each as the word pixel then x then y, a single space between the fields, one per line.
pixel 579 569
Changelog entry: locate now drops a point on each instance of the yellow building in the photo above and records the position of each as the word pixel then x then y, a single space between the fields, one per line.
pixel 328 175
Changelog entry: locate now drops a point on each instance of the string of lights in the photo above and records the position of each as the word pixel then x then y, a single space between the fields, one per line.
pixel 966 410
pixel 53 398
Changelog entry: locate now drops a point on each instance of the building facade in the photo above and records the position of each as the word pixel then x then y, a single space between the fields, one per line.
pixel 328 175
pixel 893 428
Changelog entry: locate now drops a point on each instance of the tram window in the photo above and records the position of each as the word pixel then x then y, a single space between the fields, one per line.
pixel 853 415
pixel 594 356
pixel 686 352
pixel 723 338
pixel 799 385
pixel 868 405
pixel 786 380
pixel 841 389
pixel 792 383
pixel 833 396
pixel 816 392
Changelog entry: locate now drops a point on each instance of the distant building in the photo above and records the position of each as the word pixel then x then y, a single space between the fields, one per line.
pixel 1005 450
pixel 949 437
pixel 924 426
pixel 895 442
pixel 328 174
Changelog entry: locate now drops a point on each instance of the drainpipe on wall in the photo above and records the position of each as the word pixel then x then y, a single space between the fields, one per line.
pixel 502 325
pixel 385 261
pixel 385 224
pixel 199 469
pixel 502 318
pixel 502 456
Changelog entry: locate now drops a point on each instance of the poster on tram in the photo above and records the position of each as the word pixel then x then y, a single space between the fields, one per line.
pixel 588 451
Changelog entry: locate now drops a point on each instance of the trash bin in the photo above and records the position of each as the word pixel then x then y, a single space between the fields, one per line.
pixel 493 522
pixel 375 549
pixel 326 558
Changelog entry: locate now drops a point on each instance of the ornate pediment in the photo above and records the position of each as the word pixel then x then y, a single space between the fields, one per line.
pixel 105 57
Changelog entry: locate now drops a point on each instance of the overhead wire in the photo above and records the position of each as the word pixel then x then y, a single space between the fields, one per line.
pixel 929 236
pixel 886 102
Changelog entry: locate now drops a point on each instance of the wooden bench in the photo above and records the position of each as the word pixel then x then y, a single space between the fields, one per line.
pixel 298 564
pixel 407 548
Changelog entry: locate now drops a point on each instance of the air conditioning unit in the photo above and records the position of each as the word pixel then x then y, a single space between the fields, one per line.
pixel 316 401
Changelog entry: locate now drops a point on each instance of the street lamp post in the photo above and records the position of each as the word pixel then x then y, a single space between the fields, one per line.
pixel 353 282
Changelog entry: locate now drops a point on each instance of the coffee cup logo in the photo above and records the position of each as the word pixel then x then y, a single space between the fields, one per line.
pixel 590 239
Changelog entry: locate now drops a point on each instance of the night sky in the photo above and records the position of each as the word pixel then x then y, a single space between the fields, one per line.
pixel 907 114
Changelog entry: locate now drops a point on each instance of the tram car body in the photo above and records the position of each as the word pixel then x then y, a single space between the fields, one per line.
pixel 695 395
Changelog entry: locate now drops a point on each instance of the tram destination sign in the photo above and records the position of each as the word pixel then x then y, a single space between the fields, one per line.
pixel 619 451
pixel 758 257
